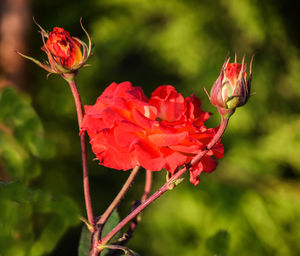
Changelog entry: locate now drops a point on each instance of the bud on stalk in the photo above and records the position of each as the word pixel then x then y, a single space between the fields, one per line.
pixel 66 54
pixel 231 89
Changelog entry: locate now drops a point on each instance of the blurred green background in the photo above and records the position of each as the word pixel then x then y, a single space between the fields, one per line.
pixel 249 206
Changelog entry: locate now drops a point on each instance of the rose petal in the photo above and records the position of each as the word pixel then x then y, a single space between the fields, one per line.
pixel 164 140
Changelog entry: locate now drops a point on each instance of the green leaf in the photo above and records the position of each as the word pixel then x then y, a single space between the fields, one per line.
pixel 49 237
pixel 112 221
pixel 218 244
pixel 21 121
pixel 84 242
pixel 85 237
pixel 19 205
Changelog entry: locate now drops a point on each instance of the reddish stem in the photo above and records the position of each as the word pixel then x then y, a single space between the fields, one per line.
pixel 86 186
pixel 140 208
pixel 214 140
pixel 148 185
pixel 115 203
pixel 96 235
pixel 166 186
pixel 136 220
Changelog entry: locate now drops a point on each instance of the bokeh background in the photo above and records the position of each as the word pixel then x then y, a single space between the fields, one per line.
pixel 249 206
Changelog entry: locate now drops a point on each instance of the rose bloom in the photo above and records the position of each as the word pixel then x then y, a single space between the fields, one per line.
pixel 127 129
pixel 63 50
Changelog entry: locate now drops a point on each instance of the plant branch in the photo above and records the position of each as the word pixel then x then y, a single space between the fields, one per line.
pixel 96 235
pixel 115 203
pixel 136 220
pixel 166 186
pixel 148 184
pixel 141 207
pixel 218 135
pixel 86 186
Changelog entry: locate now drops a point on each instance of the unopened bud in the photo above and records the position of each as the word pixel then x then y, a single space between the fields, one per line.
pixel 66 54
pixel 231 89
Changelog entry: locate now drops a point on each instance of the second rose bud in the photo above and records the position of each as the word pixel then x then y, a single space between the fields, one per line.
pixel 231 89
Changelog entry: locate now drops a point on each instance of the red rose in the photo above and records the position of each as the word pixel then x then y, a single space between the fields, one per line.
pixel 63 50
pixel 126 129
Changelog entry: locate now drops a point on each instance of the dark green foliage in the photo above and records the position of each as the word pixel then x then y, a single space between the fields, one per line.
pixel 84 242
pixel 21 136
pixel 218 244
pixel 32 220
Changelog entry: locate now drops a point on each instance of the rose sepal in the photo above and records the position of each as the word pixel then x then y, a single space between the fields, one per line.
pixel 37 62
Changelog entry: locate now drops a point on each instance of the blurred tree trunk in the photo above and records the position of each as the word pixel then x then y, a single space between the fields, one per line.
pixel 14 24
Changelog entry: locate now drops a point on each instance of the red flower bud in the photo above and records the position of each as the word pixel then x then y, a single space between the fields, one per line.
pixel 66 54
pixel 63 50
pixel 231 89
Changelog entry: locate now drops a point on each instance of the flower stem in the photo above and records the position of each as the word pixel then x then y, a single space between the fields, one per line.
pixel 126 236
pixel 134 213
pixel 96 235
pixel 166 186
pixel 86 186
pixel 148 185
pixel 115 203
pixel 218 135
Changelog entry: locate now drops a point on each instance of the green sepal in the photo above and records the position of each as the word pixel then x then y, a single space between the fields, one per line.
pixel 40 64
